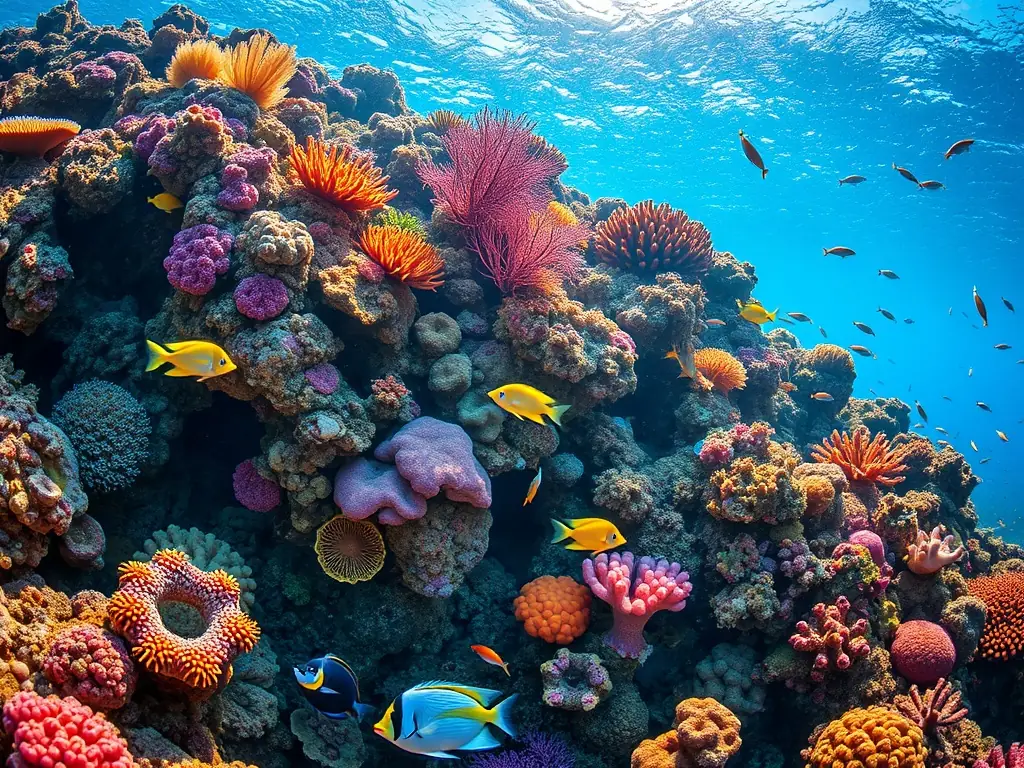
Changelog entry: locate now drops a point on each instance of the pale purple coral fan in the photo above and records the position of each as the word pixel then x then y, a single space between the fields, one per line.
pixel 198 254
pixel 324 378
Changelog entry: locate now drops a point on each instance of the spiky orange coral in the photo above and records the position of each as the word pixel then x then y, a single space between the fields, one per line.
pixel 441 120
pixel 196 59
pixel 340 176
pixel 646 238
pixel 1002 637
pixel 259 68
pixel 34 135
pixel 404 255
pixel 719 370
pixel 831 358
pixel 861 458
pixel 349 550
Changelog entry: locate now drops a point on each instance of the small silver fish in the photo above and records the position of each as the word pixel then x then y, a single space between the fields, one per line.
pixel 958 148
pixel 825 336
pixel 864 327
pixel 1002 346
pixel 933 185
pixel 886 314
pixel 983 406
pixel 889 274
pixel 908 321
pixel 853 179
pixel 800 317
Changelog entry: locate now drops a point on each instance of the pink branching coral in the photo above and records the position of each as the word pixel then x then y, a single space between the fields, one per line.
pixel 940 706
pixel 835 643
pixel 53 733
pixel 1013 758
pixel 91 665
pixel 493 170
pixel 931 552
pixel 656 585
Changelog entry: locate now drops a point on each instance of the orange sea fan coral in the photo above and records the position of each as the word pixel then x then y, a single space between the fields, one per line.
pixel 340 176
pixel 646 238
pixel 441 120
pixel 349 550
pixel 259 68
pixel 202 59
pixel 404 255
pixel 720 369
pixel 562 214
pixel 34 135
pixel 876 737
pixel 554 609
pixel 861 458
pixel 1002 637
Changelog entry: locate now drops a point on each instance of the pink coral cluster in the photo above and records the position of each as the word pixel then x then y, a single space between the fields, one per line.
pixel 721 446
pixel 828 635
pixel 236 193
pixel 932 552
pixel 92 665
pixel 324 378
pixel 54 733
pixel 261 297
pixel 197 256
pixel 656 585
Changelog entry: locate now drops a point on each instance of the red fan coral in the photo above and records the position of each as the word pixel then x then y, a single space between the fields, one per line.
pixel 202 664
pixel 34 135
pixel 404 255
pixel 494 169
pixel 340 176
pixel 862 459
pixel 1003 635
pixel 646 238
pixel 720 370
pixel 535 251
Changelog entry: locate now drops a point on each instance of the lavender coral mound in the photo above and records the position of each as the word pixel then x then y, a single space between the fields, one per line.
pixel 237 194
pixel 92 665
pixel 261 297
pixel 364 487
pixel 574 681
pixel 252 490
pixel 635 595
pixel 198 254
pixel 434 455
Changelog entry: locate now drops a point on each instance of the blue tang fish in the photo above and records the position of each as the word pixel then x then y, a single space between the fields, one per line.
pixel 437 718
pixel 330 685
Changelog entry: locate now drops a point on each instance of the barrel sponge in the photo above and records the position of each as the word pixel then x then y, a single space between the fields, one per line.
pixel 876 737
pixel 109 430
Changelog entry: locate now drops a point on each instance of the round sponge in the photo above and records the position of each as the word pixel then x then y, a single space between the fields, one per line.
pixel 554 609
pixel 922 652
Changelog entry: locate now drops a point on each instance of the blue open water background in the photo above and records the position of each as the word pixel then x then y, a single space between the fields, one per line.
pixel 646 98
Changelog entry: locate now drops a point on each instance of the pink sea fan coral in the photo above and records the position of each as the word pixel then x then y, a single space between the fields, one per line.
pixel 635 596
pixel 261 297
pixel 92 665
pixel 198 254
pixel 493 170
pixel 252 490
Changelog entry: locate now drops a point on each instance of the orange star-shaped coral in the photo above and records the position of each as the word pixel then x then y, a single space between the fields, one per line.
pixel 861 458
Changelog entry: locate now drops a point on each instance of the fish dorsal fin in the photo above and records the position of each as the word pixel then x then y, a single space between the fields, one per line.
pixel 343 663
pixel 485 697
pixel 582 522
pixel 179 346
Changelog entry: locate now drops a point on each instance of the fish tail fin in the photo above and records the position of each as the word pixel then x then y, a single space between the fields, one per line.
pixel 824 251
pixel 502 715
pixel 671 355
pixel 764 172
pixel 504 667
pixel 557 412
pixel 363 711
pixel 771 315
pixel 561 531
pixel 157 355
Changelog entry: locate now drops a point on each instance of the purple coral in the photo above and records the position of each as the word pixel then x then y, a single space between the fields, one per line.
pixel 364 487
pixel 258 163
pixel 539 751
pixel 236 193
pixel 872 542
pixel 434 455
pixel 155 128
pixel 656 585
pixel 252 490
pixel 198 254
pixel 261 297
pixel 92 665
pixel 91 74
pixel 324 378
pixel 574 681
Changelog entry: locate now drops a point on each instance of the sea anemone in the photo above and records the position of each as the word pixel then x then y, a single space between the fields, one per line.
pixel 1002 637
pixel 829 357
pixel 646 238
pixel 202 59
pixel 340 176
pixel 720 370
pixel 349 550
pixel 34 135
pixel 404 255
pixel 259 68
pixel 861 458
pixel 441 120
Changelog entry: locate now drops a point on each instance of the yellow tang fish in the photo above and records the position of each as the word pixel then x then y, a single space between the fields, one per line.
pixel 526 402
pixel 190 358
pixel 593 534
pixel 531 492
pixel 687 367
pixel 166 202
pixel 755 313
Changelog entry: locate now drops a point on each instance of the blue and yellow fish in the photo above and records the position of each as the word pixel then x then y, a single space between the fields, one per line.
pixel 437 718
pixel 190 358
pixel 330 685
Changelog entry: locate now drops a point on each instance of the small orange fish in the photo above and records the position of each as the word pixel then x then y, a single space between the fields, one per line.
pixel 531 492
pixel 906 174
pixel 787 386
pixel 714 322
pixel 752 154
pixel 490 656
pixel 980 306
pixel 1002 436
pixel 824 397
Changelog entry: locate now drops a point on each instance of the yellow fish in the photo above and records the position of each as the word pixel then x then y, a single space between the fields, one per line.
pixel 687 368
pixel 593 534
pixel 531 492
pixel 526 402
pixel 190 358
pixel 166 202
pixel 753 312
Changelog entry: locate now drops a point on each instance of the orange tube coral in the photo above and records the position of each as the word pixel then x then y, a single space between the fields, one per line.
pixel 861 458
pixel 340 176
pixel 34 135
pixel 404 255
pixel 554 609
pixel 1003 635
pixel 259 68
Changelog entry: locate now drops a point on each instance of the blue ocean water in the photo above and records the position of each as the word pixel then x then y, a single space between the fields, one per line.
pixel 646 98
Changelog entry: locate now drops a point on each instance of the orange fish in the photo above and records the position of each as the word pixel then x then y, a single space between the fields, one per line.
pixel 688 370
pixel 715 322
pixel 752 154
pixel 491 657
pixel 822 396
pixel 531 492
pixel 787 386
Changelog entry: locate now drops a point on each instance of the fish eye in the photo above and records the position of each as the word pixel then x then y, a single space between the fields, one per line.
pixel 501 395
pixel 614 537
pixel 223 361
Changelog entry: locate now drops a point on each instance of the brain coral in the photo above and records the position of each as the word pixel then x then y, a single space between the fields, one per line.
pixel 876 737
pixel 109 430
pixel 1003 595
pixel 706 735
pixel 555 609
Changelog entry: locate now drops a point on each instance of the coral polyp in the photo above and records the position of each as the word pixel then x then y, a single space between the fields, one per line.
pixel 648 238
pixel 404 255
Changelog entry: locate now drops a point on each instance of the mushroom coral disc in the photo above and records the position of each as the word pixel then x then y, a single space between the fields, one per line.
pixel 201 59
pixel 35 135
pixel 261 69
